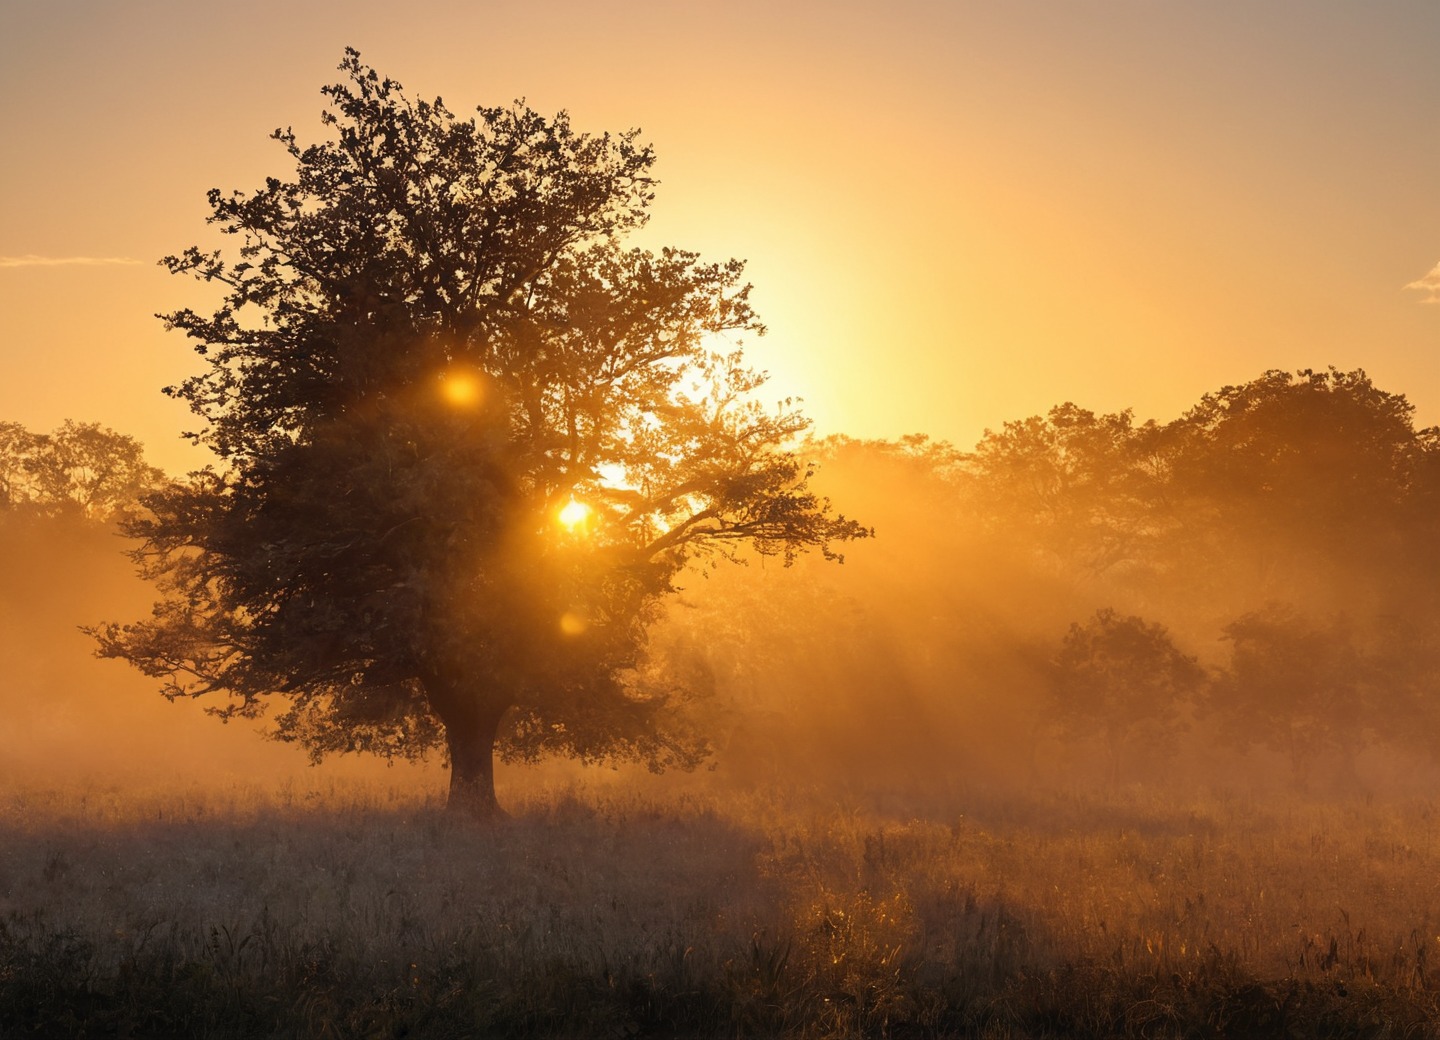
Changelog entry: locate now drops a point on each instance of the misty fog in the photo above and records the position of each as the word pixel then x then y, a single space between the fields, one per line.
pixel 926 664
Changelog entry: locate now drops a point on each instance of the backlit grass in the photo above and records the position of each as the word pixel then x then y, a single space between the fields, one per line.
pixel 364 910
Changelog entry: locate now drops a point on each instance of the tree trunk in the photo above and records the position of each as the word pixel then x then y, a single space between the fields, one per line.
pixel 470 730
pixel 1113 746
pixel 472 767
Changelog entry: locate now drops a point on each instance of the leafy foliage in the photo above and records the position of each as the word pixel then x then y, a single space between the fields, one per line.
pixel 1312 488
pixel 1084 486
pixel 1123 679
pixel 80 469
pixel 1276 474
pixel 1295 685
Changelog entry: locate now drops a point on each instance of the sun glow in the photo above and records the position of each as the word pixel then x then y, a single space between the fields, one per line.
pixel 461 389
pixel 574 513
pixel 572 624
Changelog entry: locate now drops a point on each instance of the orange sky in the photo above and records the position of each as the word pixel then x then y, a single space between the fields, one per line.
pixel 955 213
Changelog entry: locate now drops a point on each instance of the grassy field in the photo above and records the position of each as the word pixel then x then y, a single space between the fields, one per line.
pixel 362 910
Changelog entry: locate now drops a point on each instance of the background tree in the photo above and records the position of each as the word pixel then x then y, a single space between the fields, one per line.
pixel 1298 687
pixel 80 469
pixel 468 440
pixel 1080 485
pixel 1123 680
pixel 17 446
pixel 1294 487
pixel 93 470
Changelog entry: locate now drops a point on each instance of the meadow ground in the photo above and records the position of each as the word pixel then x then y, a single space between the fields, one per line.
pixel 362 910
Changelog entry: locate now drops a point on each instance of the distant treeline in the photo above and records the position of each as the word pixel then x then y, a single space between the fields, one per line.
pixel 80 469
pixel 1088 598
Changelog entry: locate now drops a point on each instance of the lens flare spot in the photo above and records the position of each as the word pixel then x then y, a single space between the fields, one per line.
pixel 461 389
pixel 572 624
pixel 574 513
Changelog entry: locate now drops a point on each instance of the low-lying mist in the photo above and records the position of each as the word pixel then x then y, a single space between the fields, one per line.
pixel 915 666
pixel 924 667
pixel 70 720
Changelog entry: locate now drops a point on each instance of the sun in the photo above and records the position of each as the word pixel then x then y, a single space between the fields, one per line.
pixel 461 389
pixel 574 513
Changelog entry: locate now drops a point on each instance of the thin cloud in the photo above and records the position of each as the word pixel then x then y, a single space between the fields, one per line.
pixel 31 260
pixel 1429 285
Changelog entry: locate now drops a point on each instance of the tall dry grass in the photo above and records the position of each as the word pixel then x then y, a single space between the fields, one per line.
pixel 603 910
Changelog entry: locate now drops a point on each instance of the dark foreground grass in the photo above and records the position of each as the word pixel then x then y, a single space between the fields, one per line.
pixel 605 916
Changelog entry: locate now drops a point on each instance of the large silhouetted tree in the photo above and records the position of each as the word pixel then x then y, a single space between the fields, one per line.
pixel 467 440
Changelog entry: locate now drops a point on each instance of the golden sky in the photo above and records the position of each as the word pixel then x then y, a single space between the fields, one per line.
pixel 955 213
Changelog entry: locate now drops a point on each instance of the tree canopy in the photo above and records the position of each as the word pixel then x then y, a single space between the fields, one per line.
pixel 1297 686
pixel 467 439
pixel 1293 516
pixel 1123 678
pixel 1110 592
pixel 81 470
